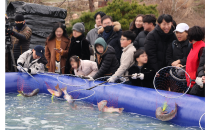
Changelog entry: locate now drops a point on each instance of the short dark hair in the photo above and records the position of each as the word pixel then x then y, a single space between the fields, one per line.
pixel 203 30
pixel 102 14
pixel 150 18
pixel 174 24
pixel 129 35
pixel 106 17
pixel 168 18
pixel 138 53
pixel 195 33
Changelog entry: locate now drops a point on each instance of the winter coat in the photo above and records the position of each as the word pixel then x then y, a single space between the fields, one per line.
pixel 137 30
pixel 201 67
pixel 36 66
pixel 80 47
pixel 21 40
pixel 92 35
pixel 156 43
pixel 114 39
pixel 139 42
pixel 50 53
pixel 148 72
pixel 126 61
pixel 86 68
pixel 108 64
pixel 180 51
pixel 193 61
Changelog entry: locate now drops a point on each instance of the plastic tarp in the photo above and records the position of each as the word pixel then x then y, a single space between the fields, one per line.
pixel 39 18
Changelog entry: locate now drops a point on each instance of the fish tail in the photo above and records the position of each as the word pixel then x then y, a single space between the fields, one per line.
pixel 64 90
pixel 121 110
pixel 56 87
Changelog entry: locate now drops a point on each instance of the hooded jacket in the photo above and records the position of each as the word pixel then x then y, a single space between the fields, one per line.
pixel 156 43
pixel 107 61
pixel 114 38
pixel 36 66
pixel 86 68
pixel 92 35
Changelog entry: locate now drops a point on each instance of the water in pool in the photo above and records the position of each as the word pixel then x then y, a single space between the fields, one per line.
pixel 38 112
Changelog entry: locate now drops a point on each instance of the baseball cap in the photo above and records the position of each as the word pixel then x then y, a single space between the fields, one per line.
pixel 181 27
pixel 39 50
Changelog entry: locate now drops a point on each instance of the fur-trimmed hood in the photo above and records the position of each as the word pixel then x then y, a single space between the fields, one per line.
pixel 117 27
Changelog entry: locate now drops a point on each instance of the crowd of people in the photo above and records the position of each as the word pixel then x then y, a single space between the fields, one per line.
pixel 150 44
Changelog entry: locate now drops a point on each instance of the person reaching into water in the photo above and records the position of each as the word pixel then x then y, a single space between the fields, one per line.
pixel 179 49
pixel 83 67
pixel 195 36
pixel 126 61
pixel 33 61
pixel 142 74
pixel 105 58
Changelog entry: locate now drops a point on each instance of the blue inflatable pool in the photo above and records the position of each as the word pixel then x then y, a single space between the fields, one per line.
pixel 133 99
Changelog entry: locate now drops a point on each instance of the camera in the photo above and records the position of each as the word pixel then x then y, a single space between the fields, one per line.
pixel 9 23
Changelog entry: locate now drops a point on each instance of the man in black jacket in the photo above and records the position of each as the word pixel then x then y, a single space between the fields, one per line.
pixel 20 38
pixel 157 41
pixel 149 23
pixel 111 32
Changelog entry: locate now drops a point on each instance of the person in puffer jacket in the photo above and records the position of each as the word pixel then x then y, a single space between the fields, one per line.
pixel 105 58
pixel 32 61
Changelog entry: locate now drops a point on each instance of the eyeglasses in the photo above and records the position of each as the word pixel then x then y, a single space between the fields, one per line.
pixel 105 24
pixel 123 39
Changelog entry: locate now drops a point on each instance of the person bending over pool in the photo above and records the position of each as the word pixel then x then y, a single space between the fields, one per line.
pixel 142 74
pixel 83 67
pixel 32 61
pixel 106 59
pixel 126 61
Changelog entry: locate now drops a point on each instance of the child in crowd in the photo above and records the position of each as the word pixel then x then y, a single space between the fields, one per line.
pixel 32 61
pixel 126 61
pixel 83 67
pixel 79 45
pixel 142 74
pixel 106 59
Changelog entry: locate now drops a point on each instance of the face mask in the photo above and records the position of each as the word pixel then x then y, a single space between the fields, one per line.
pixel 108 28
pixel 19 25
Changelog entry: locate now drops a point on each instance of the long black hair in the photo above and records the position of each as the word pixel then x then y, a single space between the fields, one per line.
pixel 55 27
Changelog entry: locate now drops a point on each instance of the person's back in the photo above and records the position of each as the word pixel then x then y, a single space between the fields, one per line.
pixel 111 32
pixel 157 41
pixel 105 58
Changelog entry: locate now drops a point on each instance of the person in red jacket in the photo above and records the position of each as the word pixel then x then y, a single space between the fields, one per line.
pixel 195 36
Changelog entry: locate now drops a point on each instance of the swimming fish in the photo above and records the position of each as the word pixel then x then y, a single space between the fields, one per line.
pixel 33 93
pixel 163 115
pixel 68 97
pixel 102 107
pixel 57 93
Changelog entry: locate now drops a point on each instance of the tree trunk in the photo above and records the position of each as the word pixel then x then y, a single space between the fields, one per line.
pixel 91 5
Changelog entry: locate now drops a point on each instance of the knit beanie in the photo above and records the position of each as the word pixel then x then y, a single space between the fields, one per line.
pixel 102 42
pixel 19 17
pixel 79 27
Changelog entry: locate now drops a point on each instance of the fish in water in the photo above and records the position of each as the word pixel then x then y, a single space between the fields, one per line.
pixel 57 93
pixel 163 115
pixel 68 97
pixel 102 107
pixel 33 93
